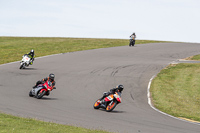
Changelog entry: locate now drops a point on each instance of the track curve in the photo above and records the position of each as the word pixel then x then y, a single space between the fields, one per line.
pixel 82 77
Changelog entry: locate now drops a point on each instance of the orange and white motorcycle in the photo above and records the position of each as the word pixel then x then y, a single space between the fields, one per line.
pixel 109 102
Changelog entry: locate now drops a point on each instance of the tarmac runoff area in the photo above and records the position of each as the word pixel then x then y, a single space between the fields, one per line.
pixel 82 77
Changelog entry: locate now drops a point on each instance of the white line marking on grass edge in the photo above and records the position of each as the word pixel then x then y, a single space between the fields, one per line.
pixel 150 103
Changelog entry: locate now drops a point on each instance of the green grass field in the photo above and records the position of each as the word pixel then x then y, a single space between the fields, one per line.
pixel 195 57
pixel 176 91
pixel 13 124
pixel 12 49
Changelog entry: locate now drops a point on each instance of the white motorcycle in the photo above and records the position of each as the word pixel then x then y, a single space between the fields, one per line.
pixel 25 61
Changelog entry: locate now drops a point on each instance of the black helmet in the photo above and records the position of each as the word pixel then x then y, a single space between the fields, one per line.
pixel 120 88
pixel 32 51
pixel 51 76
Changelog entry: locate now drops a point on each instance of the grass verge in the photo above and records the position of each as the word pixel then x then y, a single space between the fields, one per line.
pixel 12 48
pixel 13 124
pixel 195 57
pixel 176 91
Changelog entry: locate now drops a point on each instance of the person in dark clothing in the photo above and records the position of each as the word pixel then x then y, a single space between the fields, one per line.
pixel 32 56
pixel 118 88
pixel 132 39
pixel 51 78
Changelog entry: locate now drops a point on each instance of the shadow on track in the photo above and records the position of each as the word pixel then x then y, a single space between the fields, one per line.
pixel 29 69
pixel 46 98
pixel 114 111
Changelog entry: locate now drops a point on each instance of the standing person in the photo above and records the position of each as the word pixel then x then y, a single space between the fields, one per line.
pixel 132 39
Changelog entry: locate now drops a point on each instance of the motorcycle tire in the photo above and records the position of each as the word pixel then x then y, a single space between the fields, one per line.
pixel 30 94
pixel 96 105
pixel 21 66
pixel 111 107
pixel 132 43
pixel 40 94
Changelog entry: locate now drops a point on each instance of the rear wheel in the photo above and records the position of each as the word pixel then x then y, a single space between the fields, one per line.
pixel 97 104
pixel 110 107
pixel 40 94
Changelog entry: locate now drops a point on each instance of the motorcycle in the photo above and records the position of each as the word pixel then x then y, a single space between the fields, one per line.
pixel 25 61
pixel 132 42
pixel 111 102
pixel 41 90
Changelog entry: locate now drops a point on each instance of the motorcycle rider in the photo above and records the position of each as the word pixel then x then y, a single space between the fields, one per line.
pixel 50 78
pixel 32 56
pixel 132 39
pixel 118 88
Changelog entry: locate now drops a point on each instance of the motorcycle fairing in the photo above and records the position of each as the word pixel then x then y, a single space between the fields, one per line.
pixel 36 90
pixel 26 59
pixel 109 98
pixel 118 97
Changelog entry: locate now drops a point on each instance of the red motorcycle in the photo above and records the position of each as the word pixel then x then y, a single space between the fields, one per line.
pixel 111 102
pixel 41 90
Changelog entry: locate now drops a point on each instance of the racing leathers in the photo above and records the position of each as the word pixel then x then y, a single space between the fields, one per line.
pixel 132 39
pixel 32 56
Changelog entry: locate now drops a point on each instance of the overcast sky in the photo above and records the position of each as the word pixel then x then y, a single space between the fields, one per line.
pixel 167 20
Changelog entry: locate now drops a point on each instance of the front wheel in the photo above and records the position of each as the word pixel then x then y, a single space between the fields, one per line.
pixel 110 107
pixel 133 42
pixel 30 94
pixel 97 104
pixel 41 94
pixel 22 65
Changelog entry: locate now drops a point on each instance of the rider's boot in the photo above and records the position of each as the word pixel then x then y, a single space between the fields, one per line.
pixel 47 93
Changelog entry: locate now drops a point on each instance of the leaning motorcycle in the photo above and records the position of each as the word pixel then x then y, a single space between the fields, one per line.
pixel 25 61
pixel 41 90
pixel 111 102
pixel 132 42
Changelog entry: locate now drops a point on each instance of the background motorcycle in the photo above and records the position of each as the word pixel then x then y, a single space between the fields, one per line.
pixel 41 90
pixel 132 42
pixel 111 102
pixel 25 61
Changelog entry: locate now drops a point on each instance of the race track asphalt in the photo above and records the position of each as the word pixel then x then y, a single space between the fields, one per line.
pixel 82 77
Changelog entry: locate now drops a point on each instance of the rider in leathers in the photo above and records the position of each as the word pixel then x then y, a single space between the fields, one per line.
pixel 50 78
pixel 32 56
pixel 118 88
pixel 132 39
